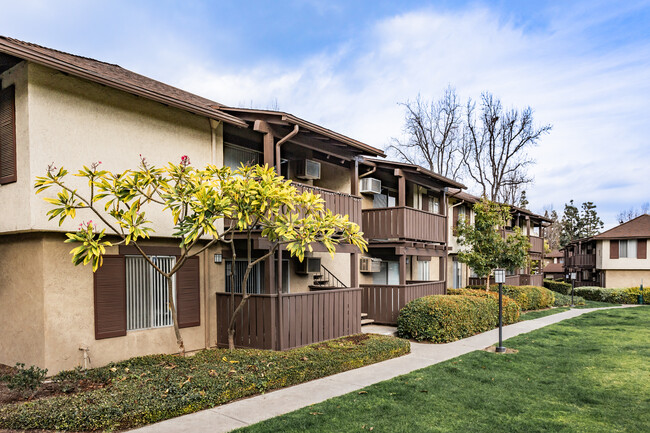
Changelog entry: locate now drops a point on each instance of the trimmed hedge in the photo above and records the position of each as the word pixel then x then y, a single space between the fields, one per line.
pixel 528 297
pixel 615 296
pixel 444 318
pixel 511 310
pixel 558 286
pixel 152 388
pixel 564 300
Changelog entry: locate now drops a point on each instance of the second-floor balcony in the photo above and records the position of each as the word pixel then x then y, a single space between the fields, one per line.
pixel 338 202
pixel 403 223
pixel 536 242
pixel 581 261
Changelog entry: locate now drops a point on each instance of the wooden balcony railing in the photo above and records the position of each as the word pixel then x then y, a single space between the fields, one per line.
pixel 338 202
pixel 403 223
pixel 581 261
pixel 307 318
pixel 536 242
pixel 383 302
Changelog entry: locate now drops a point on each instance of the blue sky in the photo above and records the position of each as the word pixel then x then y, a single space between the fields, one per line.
pixel 584 67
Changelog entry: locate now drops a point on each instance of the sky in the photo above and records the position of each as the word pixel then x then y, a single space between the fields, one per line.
pixel 582 66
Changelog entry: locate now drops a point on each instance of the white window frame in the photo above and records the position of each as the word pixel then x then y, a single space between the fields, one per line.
pixel 140 299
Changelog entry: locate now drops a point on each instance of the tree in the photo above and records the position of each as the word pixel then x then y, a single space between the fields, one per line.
pixel 195 200
pixel 578 224
pixel 495 145
pixel 432 134
pixel 631 213
pixel 554 230
pixel 262 201
pixel 488 250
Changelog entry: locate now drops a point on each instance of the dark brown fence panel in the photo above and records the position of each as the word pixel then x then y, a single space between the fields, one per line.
pixel 383 303
pixel 403 223
pixel 338 202
pixel 311 317
pixel 255 326
pixel 536 244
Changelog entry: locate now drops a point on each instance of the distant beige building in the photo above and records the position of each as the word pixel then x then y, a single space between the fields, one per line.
pixel 615 258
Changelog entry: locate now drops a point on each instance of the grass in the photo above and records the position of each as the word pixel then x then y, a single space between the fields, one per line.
pixel 587 374
pixel 152 388
pixel 536 314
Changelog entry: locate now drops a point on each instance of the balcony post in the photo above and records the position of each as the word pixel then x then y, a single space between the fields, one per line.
pixel 268 140
pixel 402 269
pixel 401 187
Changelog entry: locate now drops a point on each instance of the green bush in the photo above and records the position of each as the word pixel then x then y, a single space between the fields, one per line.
pixel 614 296
pixel 528 297
pixel 558 286
pixel 511 310
pixel 444 318
pixel 26 380
pixel 148 389
pixel 564 300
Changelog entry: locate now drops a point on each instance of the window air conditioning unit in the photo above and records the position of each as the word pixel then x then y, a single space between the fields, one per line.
pixel 370 185
pixel 369 264
pixel 308 169
pixel 310 265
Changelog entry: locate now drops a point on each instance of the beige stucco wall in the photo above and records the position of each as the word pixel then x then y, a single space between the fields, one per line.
pixel 21 297
pixel 339 265
pixel 452 239
pixel 450 273
pixel 626 278
pixel 628 263
pixel 334 177
pixel 72 122
pixel 17 194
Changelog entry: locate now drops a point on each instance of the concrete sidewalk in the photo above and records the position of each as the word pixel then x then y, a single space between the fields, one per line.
pixel 255 409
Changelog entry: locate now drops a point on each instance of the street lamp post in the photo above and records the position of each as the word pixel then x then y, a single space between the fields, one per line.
pixel 500 278
pixel 573 286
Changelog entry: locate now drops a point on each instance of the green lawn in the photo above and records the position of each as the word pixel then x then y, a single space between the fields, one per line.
pixel 530 315
pixel 587 374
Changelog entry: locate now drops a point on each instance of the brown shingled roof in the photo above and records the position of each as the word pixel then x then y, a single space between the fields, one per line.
pixel 554 253
pixel 554 268
pixel 117 77
pixel 639 227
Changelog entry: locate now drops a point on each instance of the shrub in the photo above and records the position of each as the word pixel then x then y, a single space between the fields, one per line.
pixel 443 318
pixel 564 300
pixel 26 380
pixel 148 389
pixel 614 296
pixel 528 297
pixel 558 286
pixel 511 309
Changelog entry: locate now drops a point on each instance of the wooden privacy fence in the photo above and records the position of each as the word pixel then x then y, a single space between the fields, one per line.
pixel 290 320
pixel 403 222
pixel 383 302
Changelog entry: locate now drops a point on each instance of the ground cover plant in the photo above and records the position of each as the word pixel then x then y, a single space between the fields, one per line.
pixel 587 374
pixel 148 389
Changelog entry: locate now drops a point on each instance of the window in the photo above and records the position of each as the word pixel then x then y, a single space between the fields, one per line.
pixel 433 204
pixel 424 269
pixel 7 135
pixel 147 297
pixel 389 273
pixel 627 248
pixel 234 156
pixel 386 199
pixel 255 278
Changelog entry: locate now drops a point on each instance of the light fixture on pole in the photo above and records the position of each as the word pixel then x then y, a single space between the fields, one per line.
pixel 573 286
pixel 500 278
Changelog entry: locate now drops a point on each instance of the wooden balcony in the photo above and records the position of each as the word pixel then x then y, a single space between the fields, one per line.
pixel 338 202
pixel 291 320
pixel 513 280
pixel 536 242
pixel 581 261
pixel 403 223
pixel 383 302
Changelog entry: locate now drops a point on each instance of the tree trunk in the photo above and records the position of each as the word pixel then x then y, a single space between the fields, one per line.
pixel 172 308
pixel 487 283
pixel 231 339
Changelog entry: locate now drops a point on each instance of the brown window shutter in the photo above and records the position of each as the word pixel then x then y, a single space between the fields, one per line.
pixel 454 221
pixel 641 249
pixel 110 298
pixel 7 135
pixel 188 296
pixel 613 249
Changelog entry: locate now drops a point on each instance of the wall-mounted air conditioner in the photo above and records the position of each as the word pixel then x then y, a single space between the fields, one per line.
pixel 308 169
pixel 310 265
pixel 370 185
pixel 369 264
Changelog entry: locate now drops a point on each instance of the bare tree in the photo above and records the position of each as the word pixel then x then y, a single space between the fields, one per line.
pixel 432 134
pixel 554 230
pixel 632 213
pixel 495 145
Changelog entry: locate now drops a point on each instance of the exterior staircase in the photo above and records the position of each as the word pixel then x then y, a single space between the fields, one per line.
pixel 326 280
pixel 365 320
